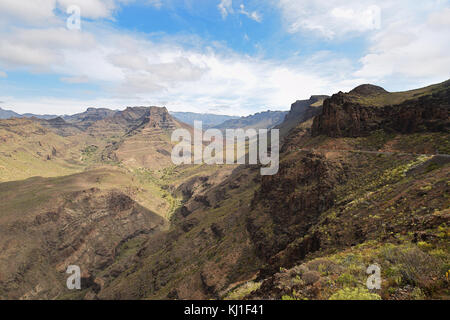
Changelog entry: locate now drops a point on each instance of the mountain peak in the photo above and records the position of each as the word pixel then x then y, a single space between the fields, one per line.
pixel 367 89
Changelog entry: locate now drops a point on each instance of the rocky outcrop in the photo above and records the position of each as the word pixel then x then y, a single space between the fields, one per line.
pixel 155 118
pixel 301 110
pixel 344 116
pixel 90 116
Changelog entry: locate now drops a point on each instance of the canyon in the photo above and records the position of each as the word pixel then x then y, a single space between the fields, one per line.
pixel 99 190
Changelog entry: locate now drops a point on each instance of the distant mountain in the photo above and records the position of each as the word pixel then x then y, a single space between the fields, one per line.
pixel 209 120
pixel 90 116
pixel 146 143
pixel 40 116
pixel 262 120
pixel 8 114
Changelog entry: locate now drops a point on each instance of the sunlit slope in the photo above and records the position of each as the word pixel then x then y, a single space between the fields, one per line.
pixel 28 149
pixel 49 223
pixel 371 95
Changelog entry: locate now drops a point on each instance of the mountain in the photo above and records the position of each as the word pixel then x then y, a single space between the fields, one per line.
pixel 355 192
pixel 208 120
pixel 47 148
pixel 338 205
pixel 147 142
pixel 301 111
pixel 262 120
pixel 356 188
pixel 368 108
pixel 39 116
pixel 7 114
pixel 91 115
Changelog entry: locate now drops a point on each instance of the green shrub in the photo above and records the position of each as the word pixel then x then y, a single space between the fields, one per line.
pixel 244 290
pixel 417 294
pixel 416 267
pixel 346 279
pixel 354 294
pixel 424 245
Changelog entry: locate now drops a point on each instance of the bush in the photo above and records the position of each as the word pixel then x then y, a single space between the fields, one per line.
pixel 417 294
pixel 346 279
pixel 310 277
pixel 243 291
pixel 416 267
pixel 354 294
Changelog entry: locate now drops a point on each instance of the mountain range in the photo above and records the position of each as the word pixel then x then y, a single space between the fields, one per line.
pixel 8 114
pixel 208 120
pixel 263 120
pixel 363 181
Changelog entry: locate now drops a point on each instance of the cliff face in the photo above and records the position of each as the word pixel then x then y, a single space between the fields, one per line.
pixel 159 118
pixel 289 204
pixel 301 106
pixel 301 111
pixel 344 115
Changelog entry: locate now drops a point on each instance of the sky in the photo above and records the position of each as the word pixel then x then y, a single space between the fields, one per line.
pixel 234 57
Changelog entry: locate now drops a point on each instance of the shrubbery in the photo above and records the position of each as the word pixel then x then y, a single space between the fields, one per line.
pixel 354 294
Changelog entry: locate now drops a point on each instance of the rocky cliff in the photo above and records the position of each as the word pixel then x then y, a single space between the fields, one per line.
pixel 301 110
pixel 358 112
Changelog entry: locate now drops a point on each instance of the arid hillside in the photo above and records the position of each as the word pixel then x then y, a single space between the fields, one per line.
pixel 363 180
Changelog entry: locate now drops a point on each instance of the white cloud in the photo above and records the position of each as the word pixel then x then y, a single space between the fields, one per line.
pixel 332 18
pixel 42 12
pixel 132 69
pixel 143 72
pixel 128 69
pixel 416 47
pixel 79 79
pixel 33 12
pixel 40 48
pixel 225 8
pixel 407 39
pixel 440 19
pixel 368 19
pixel 3 74
pixel 254 15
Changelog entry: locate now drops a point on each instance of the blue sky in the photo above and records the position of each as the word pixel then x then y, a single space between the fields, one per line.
pixel 220 56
